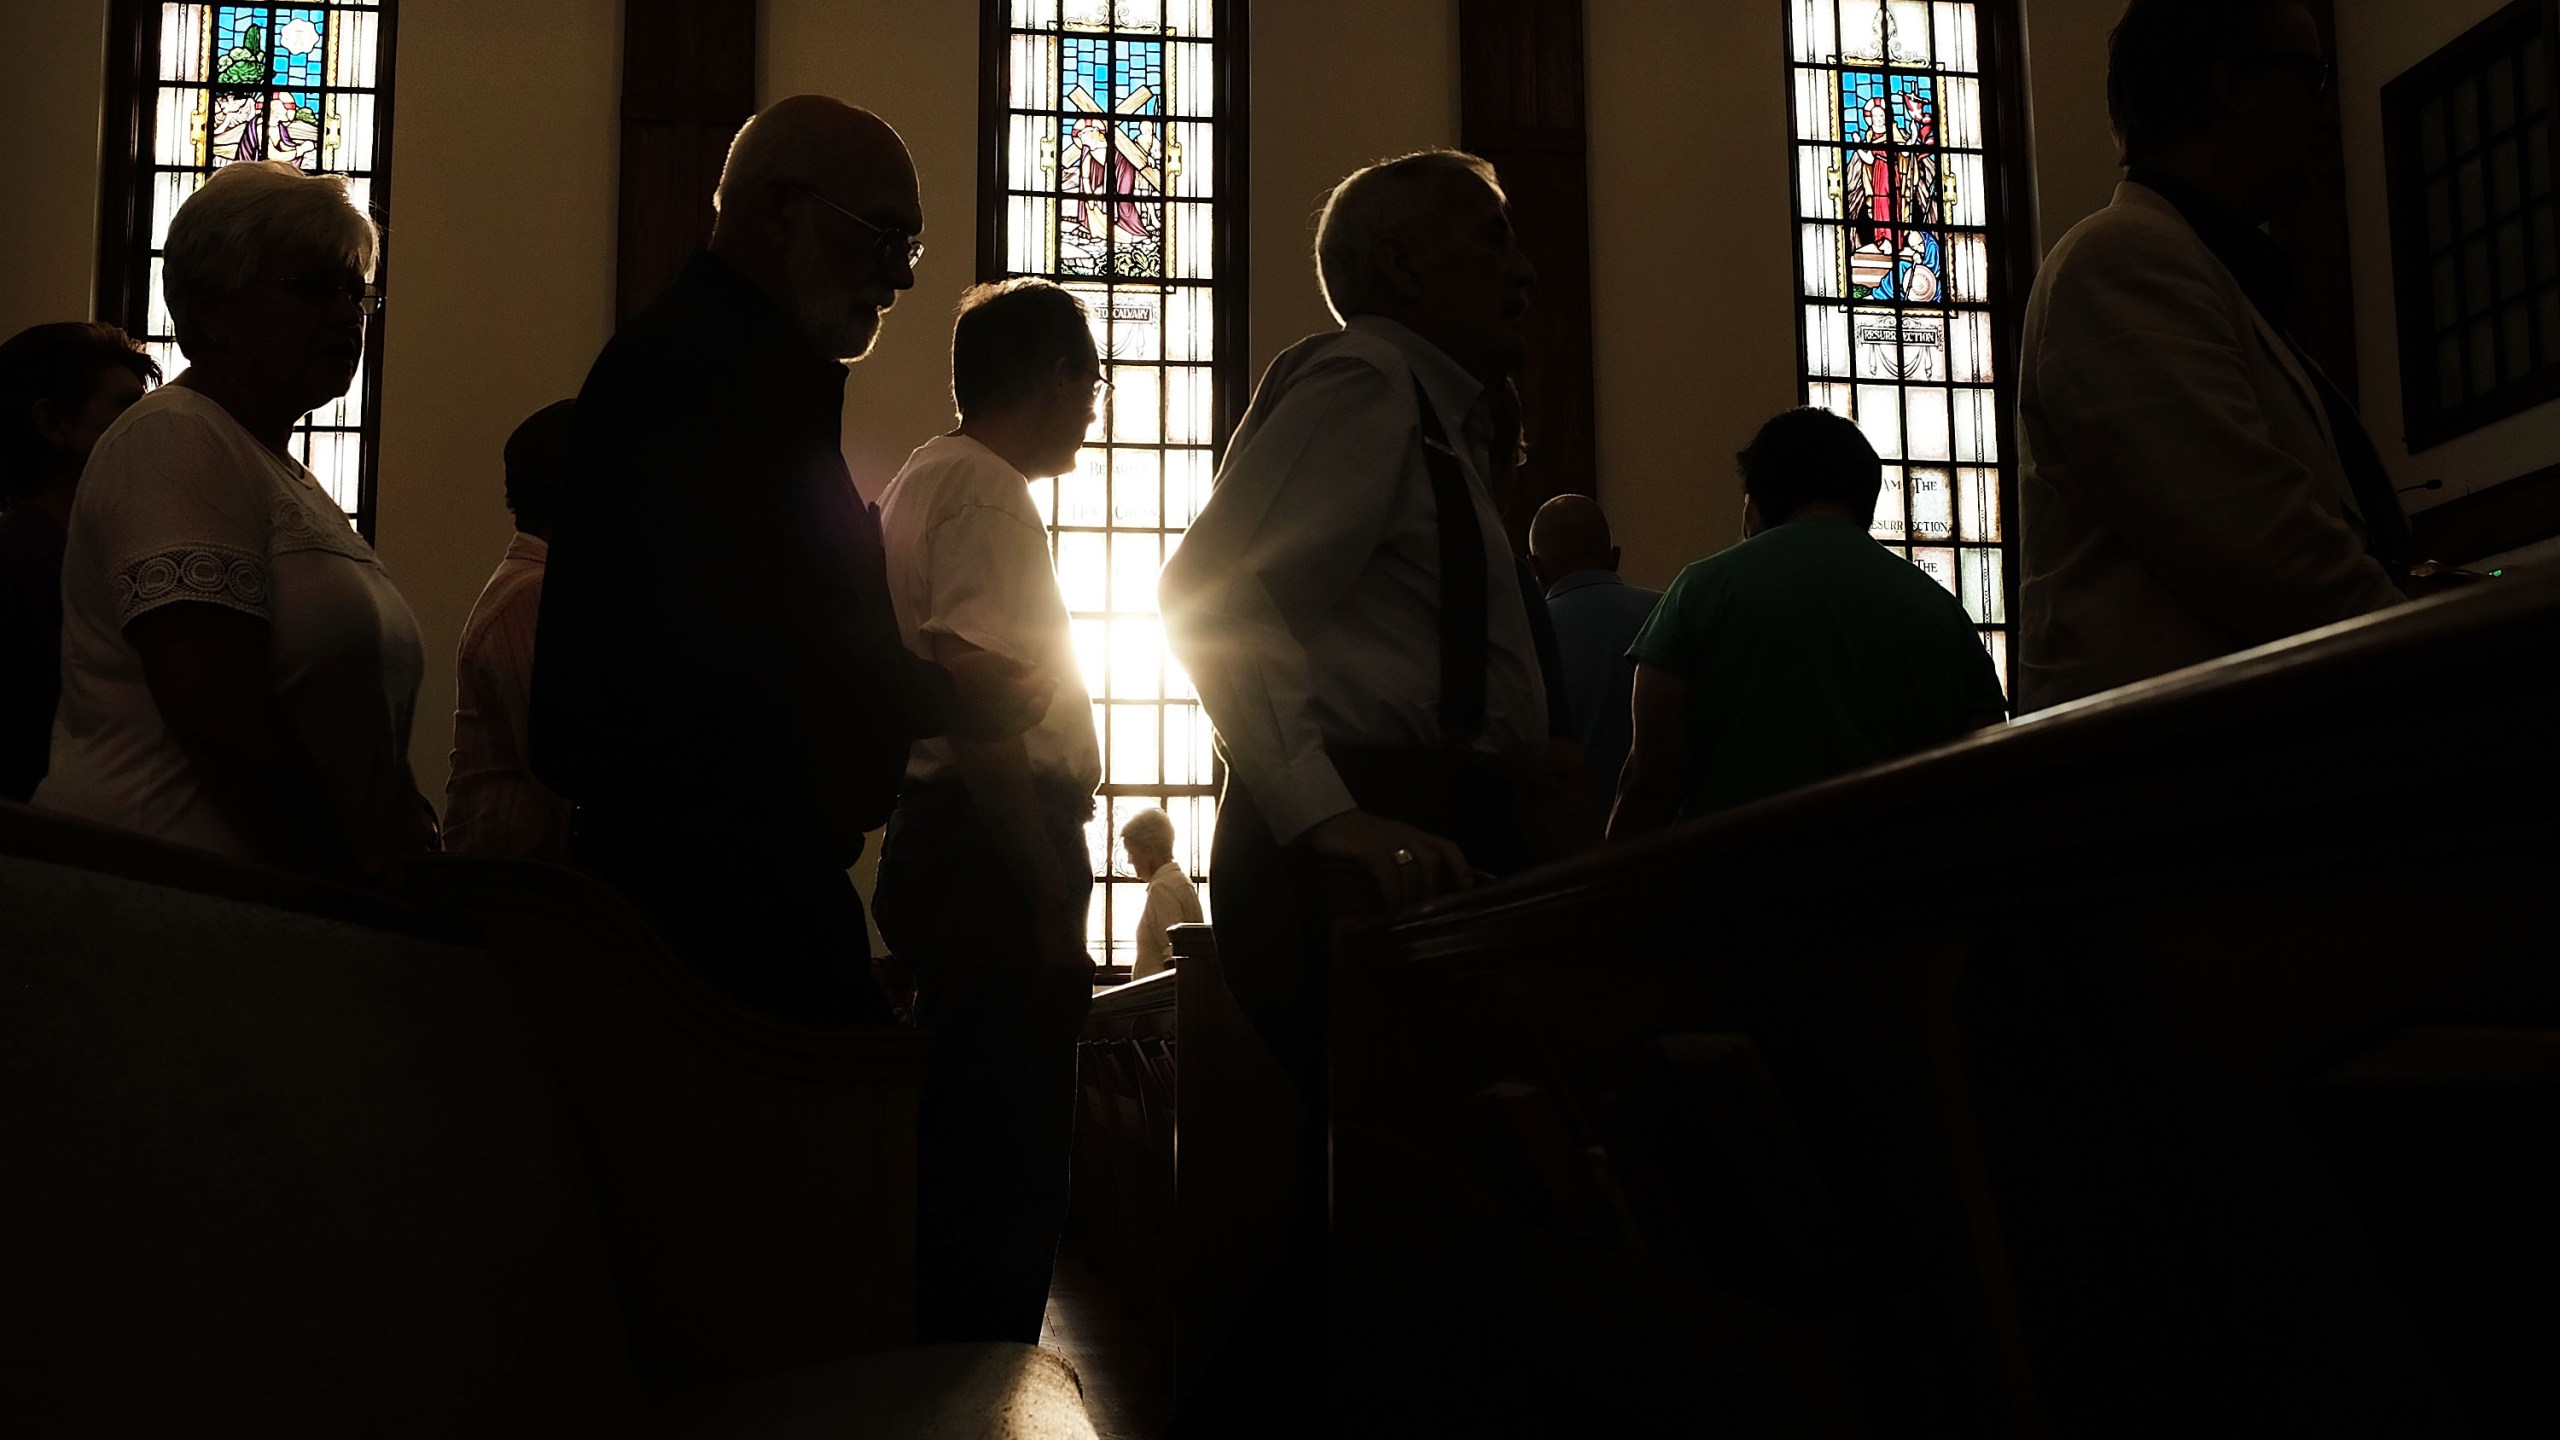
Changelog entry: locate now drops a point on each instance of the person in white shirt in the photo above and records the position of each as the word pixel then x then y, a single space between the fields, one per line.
pixel 238 672
pixel 493 803
pixel 1171 898
pixel 984 877
pixel 1349 609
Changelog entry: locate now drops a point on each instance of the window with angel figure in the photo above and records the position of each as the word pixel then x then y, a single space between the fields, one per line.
pixel 216 84
pixel 1110 125
pixel 1903 318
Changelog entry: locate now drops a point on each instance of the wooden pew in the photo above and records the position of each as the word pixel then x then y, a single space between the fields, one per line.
pixel 756 1179
pixel 1962 1096
pixel 1125 1138
pixel 290 1159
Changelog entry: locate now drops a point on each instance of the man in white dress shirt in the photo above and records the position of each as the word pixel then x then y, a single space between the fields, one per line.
pixel 1171 898
pixel 984 877
pixel 1349 609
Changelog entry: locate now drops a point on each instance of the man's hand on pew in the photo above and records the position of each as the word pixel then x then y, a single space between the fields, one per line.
pixel 1410 865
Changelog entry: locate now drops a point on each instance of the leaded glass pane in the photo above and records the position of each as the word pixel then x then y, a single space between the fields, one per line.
pixel 295 83
pixel 1899 276
pixel 1107 155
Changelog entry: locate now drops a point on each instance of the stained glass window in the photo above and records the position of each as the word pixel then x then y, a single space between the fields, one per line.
pixel 1112 133
pixel 1895 271
pixel 300 83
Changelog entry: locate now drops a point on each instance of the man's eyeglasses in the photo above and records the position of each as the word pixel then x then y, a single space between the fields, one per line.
pixel 2320 70
pixel 889 245
pixel 320 289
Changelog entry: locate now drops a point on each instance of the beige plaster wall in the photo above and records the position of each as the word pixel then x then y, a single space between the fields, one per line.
pixel 57 97
pixel 501 282
pixel 1692 265
pixel 2074 148
pixel 1336 85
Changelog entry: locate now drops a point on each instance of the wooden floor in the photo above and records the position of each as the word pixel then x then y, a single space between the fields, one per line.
pixel 1124 1360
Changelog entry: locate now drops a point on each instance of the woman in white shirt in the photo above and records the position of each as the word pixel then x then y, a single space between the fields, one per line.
pixel 238 672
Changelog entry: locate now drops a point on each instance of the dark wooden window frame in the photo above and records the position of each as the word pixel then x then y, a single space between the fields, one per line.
pixel 1230 381
pixel 2426 420
pixel 2008 228
pixel 124 204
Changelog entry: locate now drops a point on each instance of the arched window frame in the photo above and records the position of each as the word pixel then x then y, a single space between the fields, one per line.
pixel 131 161
pixel 2007 226
pixel 1007 34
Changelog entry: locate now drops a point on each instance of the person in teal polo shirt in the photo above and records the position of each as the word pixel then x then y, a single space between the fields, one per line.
pixel 1806 651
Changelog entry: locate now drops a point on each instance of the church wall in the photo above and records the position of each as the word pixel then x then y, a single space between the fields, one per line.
pixel 2074 159
pixel 1694 337
pixel 2377 41
pixel 502 224
pixel 1692 266
pixel 49 245
pixel 1336 85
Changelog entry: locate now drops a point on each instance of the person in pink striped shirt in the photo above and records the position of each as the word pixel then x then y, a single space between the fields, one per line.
pixel 493 805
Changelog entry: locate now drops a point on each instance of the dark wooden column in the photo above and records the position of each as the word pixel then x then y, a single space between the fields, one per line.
pixel 1520 87
pixel 688 83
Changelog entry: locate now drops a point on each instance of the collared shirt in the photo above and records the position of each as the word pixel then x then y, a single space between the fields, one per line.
pixel 493 805
pixel 719 664
pixel 1597 615
pixel 2267 276
pixel 1304 602
pixel 969 558
pixel 1171 900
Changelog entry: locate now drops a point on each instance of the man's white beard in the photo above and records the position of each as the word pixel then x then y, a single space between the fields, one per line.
pixel 844 329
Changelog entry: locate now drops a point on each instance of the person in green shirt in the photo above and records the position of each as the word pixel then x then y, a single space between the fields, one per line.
pixel 1806 651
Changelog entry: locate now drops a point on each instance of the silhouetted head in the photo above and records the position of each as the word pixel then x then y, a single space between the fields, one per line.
pixel 1809 461
pixel 2226 93
pixel 265 276
pixel 818 206
pixel 61 386
pixel 1426 241
pixel 1148 837
pixel 1022 353
pixel 538 466
pixel 1567 536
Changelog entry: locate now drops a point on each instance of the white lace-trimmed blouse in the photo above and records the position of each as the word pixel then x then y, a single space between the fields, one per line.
pixel 179 503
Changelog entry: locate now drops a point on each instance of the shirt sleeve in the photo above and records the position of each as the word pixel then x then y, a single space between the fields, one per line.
pixel 172 516
pixel 1663 639
pixel 1299 508
pixel 985 569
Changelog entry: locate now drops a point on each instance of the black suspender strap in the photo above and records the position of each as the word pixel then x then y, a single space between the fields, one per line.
pixel 1464 649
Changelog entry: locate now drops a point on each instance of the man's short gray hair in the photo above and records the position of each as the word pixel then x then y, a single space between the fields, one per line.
pixel 1150 827
pixel 221 235
pixel 1372 201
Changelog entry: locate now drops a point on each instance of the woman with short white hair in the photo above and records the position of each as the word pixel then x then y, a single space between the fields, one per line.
pixel 238 673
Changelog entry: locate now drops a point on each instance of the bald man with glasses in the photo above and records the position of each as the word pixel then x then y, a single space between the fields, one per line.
pixel 718 686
